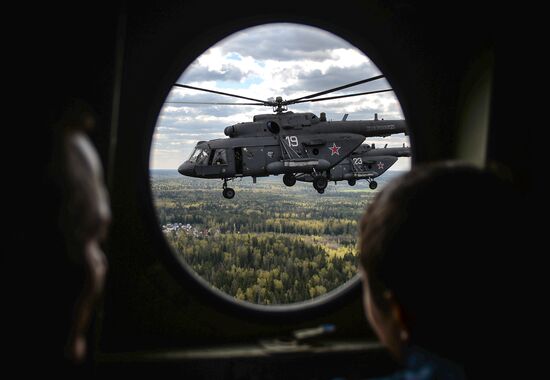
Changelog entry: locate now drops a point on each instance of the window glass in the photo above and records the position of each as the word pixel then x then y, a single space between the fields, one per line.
pixel 220 157
pixel 270 241
pixel 202 157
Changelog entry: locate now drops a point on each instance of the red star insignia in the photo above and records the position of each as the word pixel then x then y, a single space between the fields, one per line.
pixel 334 149
pixel 380 165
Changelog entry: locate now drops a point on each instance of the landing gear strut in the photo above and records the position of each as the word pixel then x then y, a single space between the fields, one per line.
pixel 320 183
pixel 228 192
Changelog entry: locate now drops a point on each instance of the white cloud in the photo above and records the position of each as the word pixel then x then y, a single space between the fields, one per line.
pixel 285 60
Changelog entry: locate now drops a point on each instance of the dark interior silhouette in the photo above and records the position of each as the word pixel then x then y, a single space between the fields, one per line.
pixel 446 65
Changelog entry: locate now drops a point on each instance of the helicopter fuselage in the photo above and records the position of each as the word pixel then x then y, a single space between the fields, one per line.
pixel 366 162
pixel 285 143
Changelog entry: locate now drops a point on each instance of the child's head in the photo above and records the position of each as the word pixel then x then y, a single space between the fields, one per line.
pixel 429 247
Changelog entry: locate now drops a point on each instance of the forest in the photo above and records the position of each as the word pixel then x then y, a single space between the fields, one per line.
pixel 271 244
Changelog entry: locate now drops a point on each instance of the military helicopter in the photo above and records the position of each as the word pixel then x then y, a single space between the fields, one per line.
pixel 366 162
pixel 284 142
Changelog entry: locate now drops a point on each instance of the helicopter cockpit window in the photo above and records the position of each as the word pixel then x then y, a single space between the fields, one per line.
pixel 202 157
pixel 256 216
pixel 199 156
pixel 193 156
pixel 220 157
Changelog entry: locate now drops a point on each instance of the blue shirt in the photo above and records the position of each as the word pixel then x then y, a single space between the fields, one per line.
pixel 423 365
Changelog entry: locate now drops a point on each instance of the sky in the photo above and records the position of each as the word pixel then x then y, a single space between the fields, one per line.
pixel 263 62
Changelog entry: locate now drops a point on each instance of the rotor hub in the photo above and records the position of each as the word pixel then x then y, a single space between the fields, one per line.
pixel 279 105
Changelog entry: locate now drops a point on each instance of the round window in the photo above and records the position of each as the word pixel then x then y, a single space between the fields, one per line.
pixel 271 217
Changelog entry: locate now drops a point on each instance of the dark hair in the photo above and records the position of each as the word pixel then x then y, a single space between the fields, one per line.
pixel 75 114
pixel 434 238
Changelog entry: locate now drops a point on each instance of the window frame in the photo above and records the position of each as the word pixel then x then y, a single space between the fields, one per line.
pixel 345 294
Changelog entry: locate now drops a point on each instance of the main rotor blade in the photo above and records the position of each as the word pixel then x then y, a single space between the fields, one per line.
pixel 343 96
pixel 220 93
pixel 218 103
pixel 334 89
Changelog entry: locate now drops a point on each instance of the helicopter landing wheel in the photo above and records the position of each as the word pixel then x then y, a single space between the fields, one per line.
pixel 373 185
pixel 320 183
pixel 289 179
pixel 228 193
pixel 321 191
pixel 352 181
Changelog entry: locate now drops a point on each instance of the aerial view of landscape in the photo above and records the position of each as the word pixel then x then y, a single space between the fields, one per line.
pixel 271 244
pixel 268 243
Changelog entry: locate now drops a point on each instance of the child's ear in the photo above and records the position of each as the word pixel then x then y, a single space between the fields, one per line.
pixel 398 316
